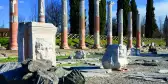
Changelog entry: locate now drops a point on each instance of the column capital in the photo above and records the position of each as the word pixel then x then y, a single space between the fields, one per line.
pixel 110 3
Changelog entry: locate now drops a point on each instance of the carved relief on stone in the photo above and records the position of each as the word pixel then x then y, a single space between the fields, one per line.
pixel 43 49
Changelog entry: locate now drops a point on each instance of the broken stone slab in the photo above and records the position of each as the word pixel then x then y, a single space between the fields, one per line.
pixel 163 71
pixel 115 57
pixel 46 77
pixel 12 70
pixel 34 66
pixel 149 76
pixel 60 72
pixel 75 77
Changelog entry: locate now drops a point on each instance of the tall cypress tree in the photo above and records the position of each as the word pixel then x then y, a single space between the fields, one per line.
pixel 102 16
pixel 119 6
pixel 91 17
pixel 134 16
pixel 74 16
pixel 123 4
pixel 150 25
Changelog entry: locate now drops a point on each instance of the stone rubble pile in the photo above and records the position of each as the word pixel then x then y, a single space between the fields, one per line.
pixel 38 72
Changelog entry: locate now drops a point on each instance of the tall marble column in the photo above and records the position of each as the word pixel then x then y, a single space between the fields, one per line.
pixel 129 30
pixel 120 27
pixel 82 24
pixel 109 25
pixel 41 11
pixel 13 24
pixel 138 37
pixel 96 25
pixel 64 26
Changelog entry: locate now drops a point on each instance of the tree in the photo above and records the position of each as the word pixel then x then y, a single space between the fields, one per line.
pixel 74 16
pixel 124 4
pixel 91 17
pixel 53 13
pixel 161 26
pixel 102 9
pixel 134 16
pixel 115 31
pixel 150 25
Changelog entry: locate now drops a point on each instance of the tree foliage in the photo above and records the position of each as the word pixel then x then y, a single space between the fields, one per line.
pixel 124 4
pixel 134 16
pixel 74 16
pixel 150 25
pixel 53 13
pixel 91 17
pixel 102 16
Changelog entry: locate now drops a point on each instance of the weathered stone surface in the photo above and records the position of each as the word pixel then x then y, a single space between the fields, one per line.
pixel 60 72
pixel 149 76
pixel 37 41
pixel 163 71
pixel 46 77
pixel 115 57
pixel 12 71
pixel 80 54
pixel 33 66
pixel 29 72
pixel 75 77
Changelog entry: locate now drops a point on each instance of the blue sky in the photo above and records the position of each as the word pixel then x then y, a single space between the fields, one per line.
pixel 26 6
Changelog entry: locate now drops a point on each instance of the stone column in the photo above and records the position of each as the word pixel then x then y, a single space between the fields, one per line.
pixel 41 11
pixel 82 24
pixel 129 30
pixel 13 24
pixel 96 25
pixel 64 26
pixel 138 38
pixel 109 25
pixel 120 27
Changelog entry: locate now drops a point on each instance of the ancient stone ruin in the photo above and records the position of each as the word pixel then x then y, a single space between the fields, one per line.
pixel 37 41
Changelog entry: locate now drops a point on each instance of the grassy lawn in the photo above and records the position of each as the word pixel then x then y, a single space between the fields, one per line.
pixel 9 59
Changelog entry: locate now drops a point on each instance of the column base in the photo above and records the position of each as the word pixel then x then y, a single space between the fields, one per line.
pixel 97 47
pixel 13 48
pixel 83 47
pixel 65 47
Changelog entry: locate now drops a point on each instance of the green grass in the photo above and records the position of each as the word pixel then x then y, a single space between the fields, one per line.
pixel 4 41
pixel 61 57
pixel 9 59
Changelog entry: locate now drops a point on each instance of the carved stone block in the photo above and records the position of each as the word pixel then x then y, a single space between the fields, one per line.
pixel 115 57
pixel 37 41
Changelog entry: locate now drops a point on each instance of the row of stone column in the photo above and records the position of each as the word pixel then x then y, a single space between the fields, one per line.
pixel 14 21
pixel 64 34
pixel 82 45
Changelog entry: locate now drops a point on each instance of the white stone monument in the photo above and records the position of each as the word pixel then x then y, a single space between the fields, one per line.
pixel 115 57
pixel 37 41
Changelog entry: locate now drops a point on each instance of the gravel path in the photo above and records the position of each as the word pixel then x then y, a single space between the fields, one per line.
pixel 119 77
